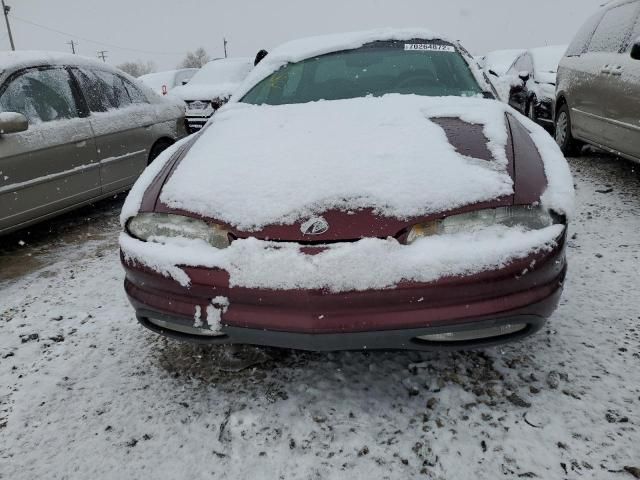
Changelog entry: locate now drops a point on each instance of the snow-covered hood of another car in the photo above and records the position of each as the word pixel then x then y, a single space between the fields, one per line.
pixel 265 165
pixel 204 91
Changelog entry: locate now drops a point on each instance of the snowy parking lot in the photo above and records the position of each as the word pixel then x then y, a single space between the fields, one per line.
pixel 88 393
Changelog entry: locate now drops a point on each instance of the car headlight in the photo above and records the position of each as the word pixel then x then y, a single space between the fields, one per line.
pixel 151 226
pixel 528 217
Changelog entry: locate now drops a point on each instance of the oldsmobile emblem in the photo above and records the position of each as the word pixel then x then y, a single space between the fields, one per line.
pixel 314 226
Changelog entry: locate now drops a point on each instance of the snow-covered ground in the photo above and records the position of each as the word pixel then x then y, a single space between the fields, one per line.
pixel 88 393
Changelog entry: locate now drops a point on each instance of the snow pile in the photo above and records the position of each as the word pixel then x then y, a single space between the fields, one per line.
pixel 370 263
pixel 218 306
pixel 262 165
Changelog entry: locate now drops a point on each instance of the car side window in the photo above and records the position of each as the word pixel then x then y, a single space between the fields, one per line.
pixel 635 34
pixel 93 89
pixel 579 43
pixel 522 64
pixel 41 95
pixel 116 90
pixel 614 28
pixel 135 94
pixel 526 64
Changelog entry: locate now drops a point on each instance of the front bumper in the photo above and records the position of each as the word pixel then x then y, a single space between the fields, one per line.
pixel 196 122
pixel 402 339
pixel 526 292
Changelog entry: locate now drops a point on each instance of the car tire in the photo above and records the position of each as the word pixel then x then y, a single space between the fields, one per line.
pixel 569 145
pixel 159 147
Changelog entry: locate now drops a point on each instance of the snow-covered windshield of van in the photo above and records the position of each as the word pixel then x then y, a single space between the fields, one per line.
pixel 422 68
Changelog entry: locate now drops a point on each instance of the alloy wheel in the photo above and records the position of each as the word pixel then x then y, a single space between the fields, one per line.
pixel 561 128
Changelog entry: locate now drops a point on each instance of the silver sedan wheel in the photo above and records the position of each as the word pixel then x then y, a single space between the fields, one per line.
pixel 561 128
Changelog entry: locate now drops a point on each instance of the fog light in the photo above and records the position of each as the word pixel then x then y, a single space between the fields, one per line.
pixel 479 334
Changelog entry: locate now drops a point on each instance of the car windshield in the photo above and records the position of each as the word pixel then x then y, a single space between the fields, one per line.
pixel 416 67
pixel 231 70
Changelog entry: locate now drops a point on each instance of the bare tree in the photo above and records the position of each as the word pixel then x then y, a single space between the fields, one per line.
pixel 137 68
pixel 195 59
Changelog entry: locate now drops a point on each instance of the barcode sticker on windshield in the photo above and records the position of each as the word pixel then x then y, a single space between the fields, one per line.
pixel 429 47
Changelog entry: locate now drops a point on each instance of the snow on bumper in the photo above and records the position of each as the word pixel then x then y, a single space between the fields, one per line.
pixel 368 264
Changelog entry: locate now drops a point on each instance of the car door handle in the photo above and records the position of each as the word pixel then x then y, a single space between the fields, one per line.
pixel 81 144
pixel 605 69
pixel 617 70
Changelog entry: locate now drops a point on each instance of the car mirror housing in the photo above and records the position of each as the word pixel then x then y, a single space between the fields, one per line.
pixel 524 76
pixel 491 72
pixel 635 49
pixel 12 122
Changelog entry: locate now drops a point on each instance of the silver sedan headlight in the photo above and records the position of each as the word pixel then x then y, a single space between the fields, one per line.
pixel 527 217
pixel 156 226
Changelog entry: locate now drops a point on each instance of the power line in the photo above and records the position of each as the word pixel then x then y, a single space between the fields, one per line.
pixel 102 55
pixel 150 52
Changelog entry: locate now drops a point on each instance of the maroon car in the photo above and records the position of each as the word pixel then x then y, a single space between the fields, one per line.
pixel 360 191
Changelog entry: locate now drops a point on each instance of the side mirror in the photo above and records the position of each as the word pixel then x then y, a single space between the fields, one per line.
pixel 635 49
pixel 524 76
pixel 12 122
pixel 184 82
pixel 491 72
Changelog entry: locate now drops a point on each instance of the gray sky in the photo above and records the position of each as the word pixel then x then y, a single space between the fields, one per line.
pixel 163 30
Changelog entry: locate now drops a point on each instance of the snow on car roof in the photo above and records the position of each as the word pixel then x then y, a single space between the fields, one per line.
pixel 217 79
pixel 298 50
pixel 500 60
pixel 263 165
pixel 11 60
pixel 546 59
pixel 223 70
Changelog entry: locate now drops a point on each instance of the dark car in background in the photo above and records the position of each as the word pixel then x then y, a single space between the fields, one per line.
pixel 533 87
pixel 73 131
pixel 598 92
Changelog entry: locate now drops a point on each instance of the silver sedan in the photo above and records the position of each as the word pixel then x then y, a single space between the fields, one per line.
pixel 73 131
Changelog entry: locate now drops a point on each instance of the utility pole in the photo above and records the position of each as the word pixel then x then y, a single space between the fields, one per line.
pixel 6 9
pixel 224 41
pixel 102 55
pixel 73 46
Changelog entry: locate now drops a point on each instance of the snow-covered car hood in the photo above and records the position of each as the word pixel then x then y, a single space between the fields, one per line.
pixel 546 77
pixel 207 92
pixel 546 91
pixel 257 166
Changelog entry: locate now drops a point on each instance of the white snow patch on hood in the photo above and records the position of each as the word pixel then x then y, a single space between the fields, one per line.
pixel 262 165
pixel 370 263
